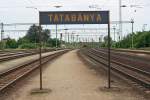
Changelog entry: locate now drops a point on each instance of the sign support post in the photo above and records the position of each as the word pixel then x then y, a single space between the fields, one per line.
pixel 132 22
pixel 109 62
pixel 56 37
pixel 2 32
pixel 78 17
pixel 40 90
pixel 40 55
pixel 40 63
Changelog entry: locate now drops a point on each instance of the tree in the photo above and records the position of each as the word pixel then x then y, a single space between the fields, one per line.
pixel 11 43
pixel 27 46
pixel 23 40
pixel 52 42
pixel 140 40
pixel 33 34
pixel 105 43
pixel 45 35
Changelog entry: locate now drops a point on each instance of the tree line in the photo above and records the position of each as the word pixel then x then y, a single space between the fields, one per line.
pixel 139 40
pixel 31 39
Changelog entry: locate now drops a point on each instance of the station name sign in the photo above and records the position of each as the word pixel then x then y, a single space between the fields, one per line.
pixel 74 17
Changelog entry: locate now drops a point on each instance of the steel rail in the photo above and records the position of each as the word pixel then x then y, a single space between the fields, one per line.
pixel 133 51
pixel 140 70
pixel 102 60
pixel 122 64
pixel 126 53
pixel 13 75
pixel 6 57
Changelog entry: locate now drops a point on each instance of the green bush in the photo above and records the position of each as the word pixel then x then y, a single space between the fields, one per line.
pixel 1 45
pixel 11 43
pixel 52 42
pixel 28 46
pixel 140 40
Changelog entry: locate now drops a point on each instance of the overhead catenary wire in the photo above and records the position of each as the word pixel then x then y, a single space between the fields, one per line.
pixel 12 24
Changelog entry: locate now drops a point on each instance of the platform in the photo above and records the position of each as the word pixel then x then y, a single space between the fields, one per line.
pixel 71 79
pixel 15 62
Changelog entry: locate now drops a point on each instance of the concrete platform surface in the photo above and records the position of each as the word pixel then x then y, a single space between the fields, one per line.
pixel 12 63
pixel 71 79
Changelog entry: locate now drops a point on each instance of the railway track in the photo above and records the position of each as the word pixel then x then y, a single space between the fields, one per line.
pixel 5 56
pixel 119 65
pixel 13 75
pixel 139 62
pixel 133 51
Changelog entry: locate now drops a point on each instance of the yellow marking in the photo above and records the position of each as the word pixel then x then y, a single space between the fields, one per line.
pixel 67 19
pixel 80 18
pixel 98 19
pixel 86 18
pixel 61 17
pixel 50 17
pixel 92 17
pixel 73 17
pixel 56 19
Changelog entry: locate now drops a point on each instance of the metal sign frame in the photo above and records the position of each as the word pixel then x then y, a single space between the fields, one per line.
pixel 82 17
pixel 74 17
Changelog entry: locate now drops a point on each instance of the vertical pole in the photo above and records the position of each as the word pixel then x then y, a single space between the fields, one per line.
pixel 68 37
pixel 61 35
pixel 114 33
pixel 132 21
pixel 120 19
pixel 77 42
pixel 109 67
pixel 73 40
pixel 114 36
pixel 65 38
pixel 68 40
pixel 40 53
pixel 99 42
pixel 2 30
pixel 56 36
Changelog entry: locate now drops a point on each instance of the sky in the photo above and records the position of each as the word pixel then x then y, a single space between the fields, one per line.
pixel 22 11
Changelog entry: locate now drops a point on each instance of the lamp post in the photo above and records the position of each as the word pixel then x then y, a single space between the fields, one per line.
pixel 118 36
pixel 120 20
pixel 77 41
pixel 2 31
pixel 68 38
pixel 56 36
pixel 57 6
pixel 132 22
pixel 38 18
pixel 114 28
pixel 61 35
pixel 144 27
pixel 73 42
pixel 40 50
pixel 65 35
pixel 120 17
pixel 101 40
pixel 94 6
